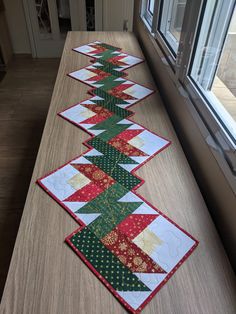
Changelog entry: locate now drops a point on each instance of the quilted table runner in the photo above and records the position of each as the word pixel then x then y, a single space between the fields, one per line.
pixel 130 246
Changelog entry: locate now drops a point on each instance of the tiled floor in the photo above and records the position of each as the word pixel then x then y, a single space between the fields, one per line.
pixel 25 94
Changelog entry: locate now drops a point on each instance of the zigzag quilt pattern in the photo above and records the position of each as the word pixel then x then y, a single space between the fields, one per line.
pixel 130 246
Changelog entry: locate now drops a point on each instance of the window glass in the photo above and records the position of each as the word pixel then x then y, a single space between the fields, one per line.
pixel 147 11
pixel 43 17
pixel 64 19
pixel 171 22
pixel 214 62
pixel 151 6
pixel 90 15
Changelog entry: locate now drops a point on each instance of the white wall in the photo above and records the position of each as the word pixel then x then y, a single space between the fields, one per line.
pixel 115 12
pixel 14 12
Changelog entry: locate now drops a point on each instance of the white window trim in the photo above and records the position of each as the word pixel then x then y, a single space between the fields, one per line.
pixel 154 31
pixel 164 26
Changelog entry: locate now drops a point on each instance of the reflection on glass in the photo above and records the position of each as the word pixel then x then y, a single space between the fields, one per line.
pixel 224 84
pixel 64 19
pixel 151 6
pixel 43 16
pixel 176 18
pixel 90 15
pixel 214 61
pixel 171 22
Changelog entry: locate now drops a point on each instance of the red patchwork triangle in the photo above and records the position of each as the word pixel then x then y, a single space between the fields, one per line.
pixel 86 194
pixel 135 224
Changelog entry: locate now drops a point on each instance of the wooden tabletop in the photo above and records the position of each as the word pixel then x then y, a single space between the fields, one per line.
pixel 47 277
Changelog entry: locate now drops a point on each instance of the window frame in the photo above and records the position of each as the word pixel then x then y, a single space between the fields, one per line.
pixel 218 42
pixel 170 56
pixel 163 26
pixel 145 12
pixel 209 113
pixel 148 7
pixel 179 68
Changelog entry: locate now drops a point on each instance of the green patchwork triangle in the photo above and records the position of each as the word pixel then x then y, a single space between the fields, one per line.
pixel 115 171
pixel 110 102
pixel 109 68
pixel 108 83
pixel 112 194
pixel 110 47
pixel 108 97
pixel 106 263
pixel 111 128
pixel 110 151
pixel 112 212
pixel 108 54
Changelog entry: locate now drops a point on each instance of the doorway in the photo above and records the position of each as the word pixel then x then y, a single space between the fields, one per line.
pixel 48 22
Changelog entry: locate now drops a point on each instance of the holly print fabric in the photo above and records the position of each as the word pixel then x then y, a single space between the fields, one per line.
pixel 130 246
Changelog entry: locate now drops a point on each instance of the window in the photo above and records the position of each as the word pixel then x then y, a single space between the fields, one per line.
pixel 198 42
pixel 148 11
pixel 172 14
pixel 213 61
pixel 151 6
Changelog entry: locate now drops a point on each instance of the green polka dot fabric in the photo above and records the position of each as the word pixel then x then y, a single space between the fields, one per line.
pixel 106 263
pixel 111 167
pixel 111 128
pixel 130 246
pixel 111 211
pixel 110 151
pixel 108 67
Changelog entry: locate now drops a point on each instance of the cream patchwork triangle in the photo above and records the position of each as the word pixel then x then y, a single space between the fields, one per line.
pixel 147 241
pixel 78 181
pixel 136 142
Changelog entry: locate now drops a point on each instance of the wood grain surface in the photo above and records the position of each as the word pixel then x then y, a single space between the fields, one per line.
pixel 46 276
